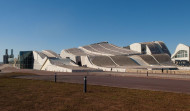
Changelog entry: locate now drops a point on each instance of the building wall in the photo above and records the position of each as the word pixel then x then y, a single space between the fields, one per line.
pixel 65 54
pixel 136 47
pixel 38 61
pixel 148 50
pixel 189 54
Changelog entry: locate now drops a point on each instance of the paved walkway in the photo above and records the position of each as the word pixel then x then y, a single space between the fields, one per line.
pixel 159 82
pixel 146 83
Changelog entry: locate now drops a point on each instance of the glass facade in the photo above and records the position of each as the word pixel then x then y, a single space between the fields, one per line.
pixel 181 54
pixel 26 60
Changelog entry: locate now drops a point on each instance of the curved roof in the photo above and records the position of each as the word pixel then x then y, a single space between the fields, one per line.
pixel 57 61
pixel 50 53
pixel 164 59
pixel 108 49
pixel 180 47
pixel 76 51
pixel 164 47
pixel 149 59
pixel 42 55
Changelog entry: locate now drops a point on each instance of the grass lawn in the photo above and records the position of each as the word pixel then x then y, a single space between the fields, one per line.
pixel 37 95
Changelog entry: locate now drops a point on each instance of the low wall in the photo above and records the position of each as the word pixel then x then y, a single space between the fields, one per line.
pixel 141 71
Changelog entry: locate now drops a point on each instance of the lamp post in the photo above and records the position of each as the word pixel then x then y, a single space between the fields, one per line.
pixel 85 84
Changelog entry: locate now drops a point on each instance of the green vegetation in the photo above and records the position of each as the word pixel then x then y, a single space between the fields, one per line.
pixel 36 95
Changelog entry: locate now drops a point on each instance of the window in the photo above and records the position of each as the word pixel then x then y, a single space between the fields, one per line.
pixel 26 60
pixel 181 53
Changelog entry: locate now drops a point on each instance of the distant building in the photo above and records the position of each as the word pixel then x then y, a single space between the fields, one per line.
pixel 155 47
pixel 181 55
pixel 8 58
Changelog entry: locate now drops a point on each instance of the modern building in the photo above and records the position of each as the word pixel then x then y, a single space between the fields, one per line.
pixel 181 55
pixel 101 56
pixel 49 61
pixel 155 47
pixel 109 57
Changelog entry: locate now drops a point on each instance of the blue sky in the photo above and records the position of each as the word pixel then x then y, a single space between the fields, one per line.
pixel 62 24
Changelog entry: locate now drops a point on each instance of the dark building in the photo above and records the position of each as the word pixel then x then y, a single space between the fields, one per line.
pixel 6 57
pixel 12 55
pixel 26 60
